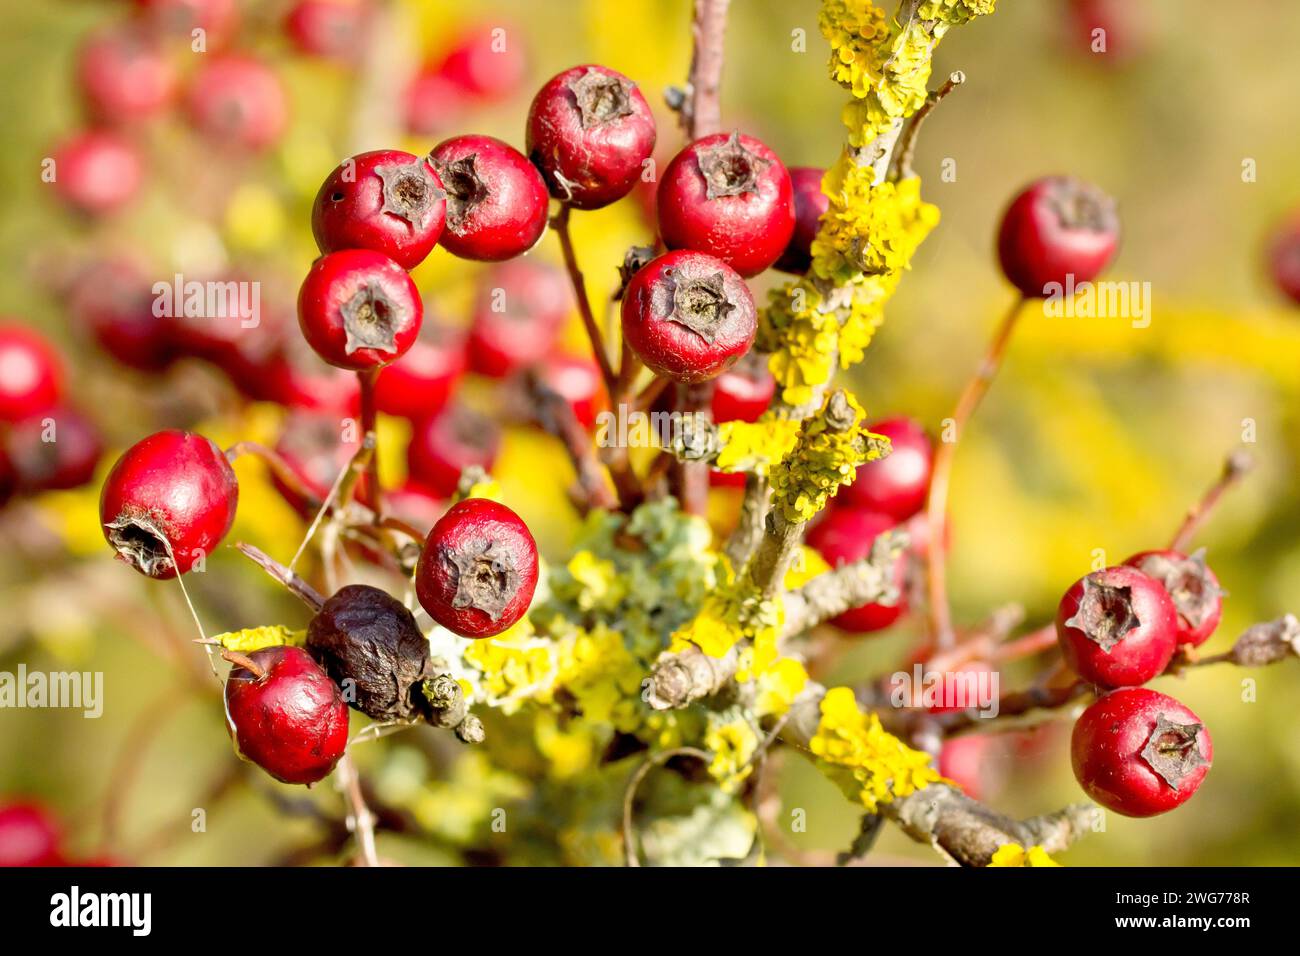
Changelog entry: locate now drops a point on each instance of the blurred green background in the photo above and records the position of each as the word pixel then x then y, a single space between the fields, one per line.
pixel 1097 435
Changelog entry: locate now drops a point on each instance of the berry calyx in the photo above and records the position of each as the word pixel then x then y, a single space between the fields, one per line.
pixel 445 445
pixel 1139 752
pixel 688 316
pixel 479 568
pixel 590 132
pixel 1191 585
pixel 496 199
pixel 1055 228
pixel 55 450
pixel 31 373
pixel 1117 627
pixel 285 713
pixel 728 195
pixel 418 385
pixel 744 391
pixel 238 102
pixel 359 309
pixel 898 483
pixel 369 643
pixel 385 200
pixel 518 315
pixel 844 536
pixel 809 205
pixel 168 502
pixel 97 172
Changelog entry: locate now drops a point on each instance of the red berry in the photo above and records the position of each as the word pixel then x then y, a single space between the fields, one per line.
pixel 1140 753
pixel 968 761
pixel 433 103
pixel 448 443
pixel 1284 258
pixel 238 102
pixel 496 199
pixel 1058 226
pixel 97 172
pixel 31 373
pixel 1125 31
pixel 688 316
pixel 292 375
pixel 385 200
pixel 286 715
pixel 1117 627
pixel 419 384
pixel 312 445
pixel 576 379
pixel 590 132
pixel 519 313
pixel 168 502
pixel 54 450
pixel 743 392
pixel 809 205
pixel 359 309
pixel 844 536
pixel 898 483
pixel 218 19
pixel 488 62
pixel 124 75
pixel 112 301
pixel 478 570
pixel 1191 585
pixel 729 196
pixel 29 836
pixel 332 29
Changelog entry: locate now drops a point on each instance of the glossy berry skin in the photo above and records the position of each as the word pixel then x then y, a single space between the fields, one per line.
pixel 111 300
pixel 218 19
pixel 97 172
pixel 729 196
pixel 29 836
pixel 331 29
pixel 897 484
pixel 54 450
pixel 448 443
pixel 419 384
pixel 518 315
pixel 1139 752
pixel 744 391
pixel 359 309
pixel 173 486
pixel 809 205
pixel 31 373
pixel 291 719
pixel 237 102
pixel 496 199
pixel 845 535
pixel 1191 585
pixel 385 200
pixel 1056 227
pixel 124 76
pixel 688 316
pixel 590 131
pixel 1117 627
pixel 478 570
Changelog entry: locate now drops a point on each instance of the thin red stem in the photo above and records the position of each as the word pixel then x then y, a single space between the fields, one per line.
pixel 1234 467
pixel 561 226
pixel 369 419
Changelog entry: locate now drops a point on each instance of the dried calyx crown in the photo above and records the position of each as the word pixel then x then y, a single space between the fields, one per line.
pixel 1188 582
pixel 368 319
pixel 139 541
pixel 1172 750
pixel 1105 613
pixel 601 98
pixel 1081 205
pixel 410 191
pixel 699 304
pixel 464 187
pixel 485 574
pixel 729 169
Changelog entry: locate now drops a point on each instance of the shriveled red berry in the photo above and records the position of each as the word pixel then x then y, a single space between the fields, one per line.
pixel 359 309
pixel 1056 227
pixel 518 315
pixel 168 502
pixel 1117 627
pixel 743 392
pixel 29 835
pixel 218 19
pixel 418 385
pixel 489 61
pixel 496 199
pixel 285 714
pixel 898 483
pixel 590 132
pixel 384 200
pixel 112 300
pixel 809 205
pixel 332 29
pixel 1191 585
pixel 445 445
pixel 124 75
pixel 54 450
pixel 1139 752
pixel 31 373
pixel 97 172
pixel 369 643
pixel 576 379
pixel 479 568
pixel 730 196
pixel 688 316
pixel 238 102
pixel 844 536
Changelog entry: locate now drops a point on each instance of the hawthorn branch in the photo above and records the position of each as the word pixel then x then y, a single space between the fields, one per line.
pixel 557 417
pixel 901 164
pixel 560 223
pixel 869 581
pixel 1235 466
